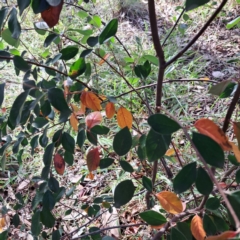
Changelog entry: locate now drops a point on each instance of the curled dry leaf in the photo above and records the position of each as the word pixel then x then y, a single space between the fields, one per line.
pixel 93 159
pixel 197 228
pixel 170 152
pixel 91 100
pixel 170 202
pixel 210 129
pixel 93 119
pixel 74 122
pixel 124 118
pixel 224 236
pixel 52 14
pixel 59 164
pixel 103 60
pixel 110 110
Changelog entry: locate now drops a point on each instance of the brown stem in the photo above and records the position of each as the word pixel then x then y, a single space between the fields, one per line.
pixel 202 30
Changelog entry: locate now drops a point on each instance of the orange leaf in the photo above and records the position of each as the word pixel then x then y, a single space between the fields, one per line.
pixel 90 176
pixel 170 152
pixel 59 164
pixel 170 202
pixel 209 128
pixel 197 228
pixel 110 110
pixel 93 119
pixel 93 159
pixel 104 58
pixel 236 151
pixel 52 14
pixel 74 122
pixel 224 236
pixel 124 118
pixel 3 224
pixel 90 100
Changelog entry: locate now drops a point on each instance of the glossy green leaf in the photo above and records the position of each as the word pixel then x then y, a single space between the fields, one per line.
pixel 48 200
pixel 142 71
pixel 50 38
pixel 106 162
pixel 53 184
pixel 39 6
pixel 220 224
pixel 92 41
pixel 156 145
pixel 84 53
pixel 192 4
pixel 209 149
pixel 147 183
pixel 3 14
pixel 219 88
pixel 5 56
pixel 58 195
pixel 21 64
pixel 17 108
pixel 43 140
pixel 16 220
pixel 92 137
pixel 47 218
pixel 7 37
pixel 23 5
pixel 126 166
pixel 122 142
pixel 2 86
pixel 163 124
pixel 185 178
pixel 81 137
pixel 212 203
pixel 47 156
pixel 68 158
pixel 203 182
pixel 77 68
pixel 123 193
pixel 40 122
pixel 100 130
pixel 176 234
pixel 109 31
pixel 208 225
pixel 153 218
pixel 238 176
pixel 36 226
pixel 57 100
pixel 13 24
pixel 68 142
pixel 184 228
pixel 69 52
pixel 233 160
pixel 56 235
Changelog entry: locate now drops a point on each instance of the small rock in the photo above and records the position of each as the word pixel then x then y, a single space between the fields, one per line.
pixel 217 74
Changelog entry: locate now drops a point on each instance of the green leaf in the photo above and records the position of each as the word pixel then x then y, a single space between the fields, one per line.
pixel 13 24
pixel 57 138
pixel 17 108
pixel 43 140
pixel 2 86
pixel 152 59
pixel 6 35
pixel 53 184
pixel 184 228
pixel 185 178
pixel 50 38
pixel 147 183
pixel 40 122
pixel 21 64
pixel 142 71
pixel 69 52
pixel 123 193
pixel 92 41
pixel 212 203
pixel 77 68
pixel 96 21
pixel 106 162
pixel 39 6
pixel 153 218
pixel 68 158
pixel 163 124
pixel 4 54
pixel 16 220
pixel 37 199
pixel 208 225
pixel 231 87
pixel 48 200
pixel 92 138
pixel 81 137
pixel 56 98
pixel 47 218
pixel 100 130
pixel 47 156
pixel 3 14
pixel 83 54
pixel 219 87
pixel 126 166
pixel 156 145
pixel 122 142
pixel 82 14
pixel 176 234
pixel 203 182
pixel 220 224
pixel 233 23
pixel 36 226
pixel 68 142
pixel 56 235
pixel 238 176
pixel 209 149
pixel 109 31
pixel 192 4
pixel 4 235
pixel 59 194
pixel 23 5
pixel 233 160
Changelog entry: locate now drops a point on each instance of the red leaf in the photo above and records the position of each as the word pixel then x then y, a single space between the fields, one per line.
pixel 93 159
pixel 52 14
pixel 93 119
pixel 59 164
